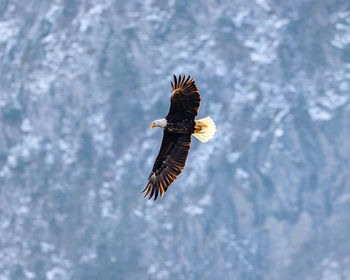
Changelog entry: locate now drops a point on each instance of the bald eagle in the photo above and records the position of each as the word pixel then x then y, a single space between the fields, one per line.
pixel 178 126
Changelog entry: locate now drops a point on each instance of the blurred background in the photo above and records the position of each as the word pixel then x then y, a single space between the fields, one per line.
pixel 267 198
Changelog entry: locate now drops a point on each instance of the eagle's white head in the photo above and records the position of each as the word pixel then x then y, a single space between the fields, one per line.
pixel 159 123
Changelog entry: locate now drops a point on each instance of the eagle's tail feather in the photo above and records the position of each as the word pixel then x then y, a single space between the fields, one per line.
pixel 204 129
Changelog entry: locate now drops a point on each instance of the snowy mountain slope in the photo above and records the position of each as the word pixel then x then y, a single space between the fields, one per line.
pixel 81 81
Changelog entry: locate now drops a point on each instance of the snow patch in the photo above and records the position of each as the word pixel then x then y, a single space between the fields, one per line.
pixel 279 132
pixel 255 135
pixel 233 157
pixel 319 114
pixel 193 210
pixel 241 174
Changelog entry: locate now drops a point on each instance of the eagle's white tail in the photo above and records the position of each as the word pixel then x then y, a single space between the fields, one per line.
pixel 204 129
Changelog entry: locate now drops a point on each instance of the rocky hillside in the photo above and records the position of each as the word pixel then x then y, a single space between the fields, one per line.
pixel 268 198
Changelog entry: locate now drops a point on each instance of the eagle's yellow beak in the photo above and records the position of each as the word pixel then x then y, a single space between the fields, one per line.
pixel 152 125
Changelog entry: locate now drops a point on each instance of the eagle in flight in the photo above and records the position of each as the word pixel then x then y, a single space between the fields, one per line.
pixel 178 126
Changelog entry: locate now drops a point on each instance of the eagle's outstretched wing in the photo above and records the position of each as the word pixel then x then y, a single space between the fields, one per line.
pixel 185 99
pixel 169 163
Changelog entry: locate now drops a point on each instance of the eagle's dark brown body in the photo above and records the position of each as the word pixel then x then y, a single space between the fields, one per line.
pixel 182 127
